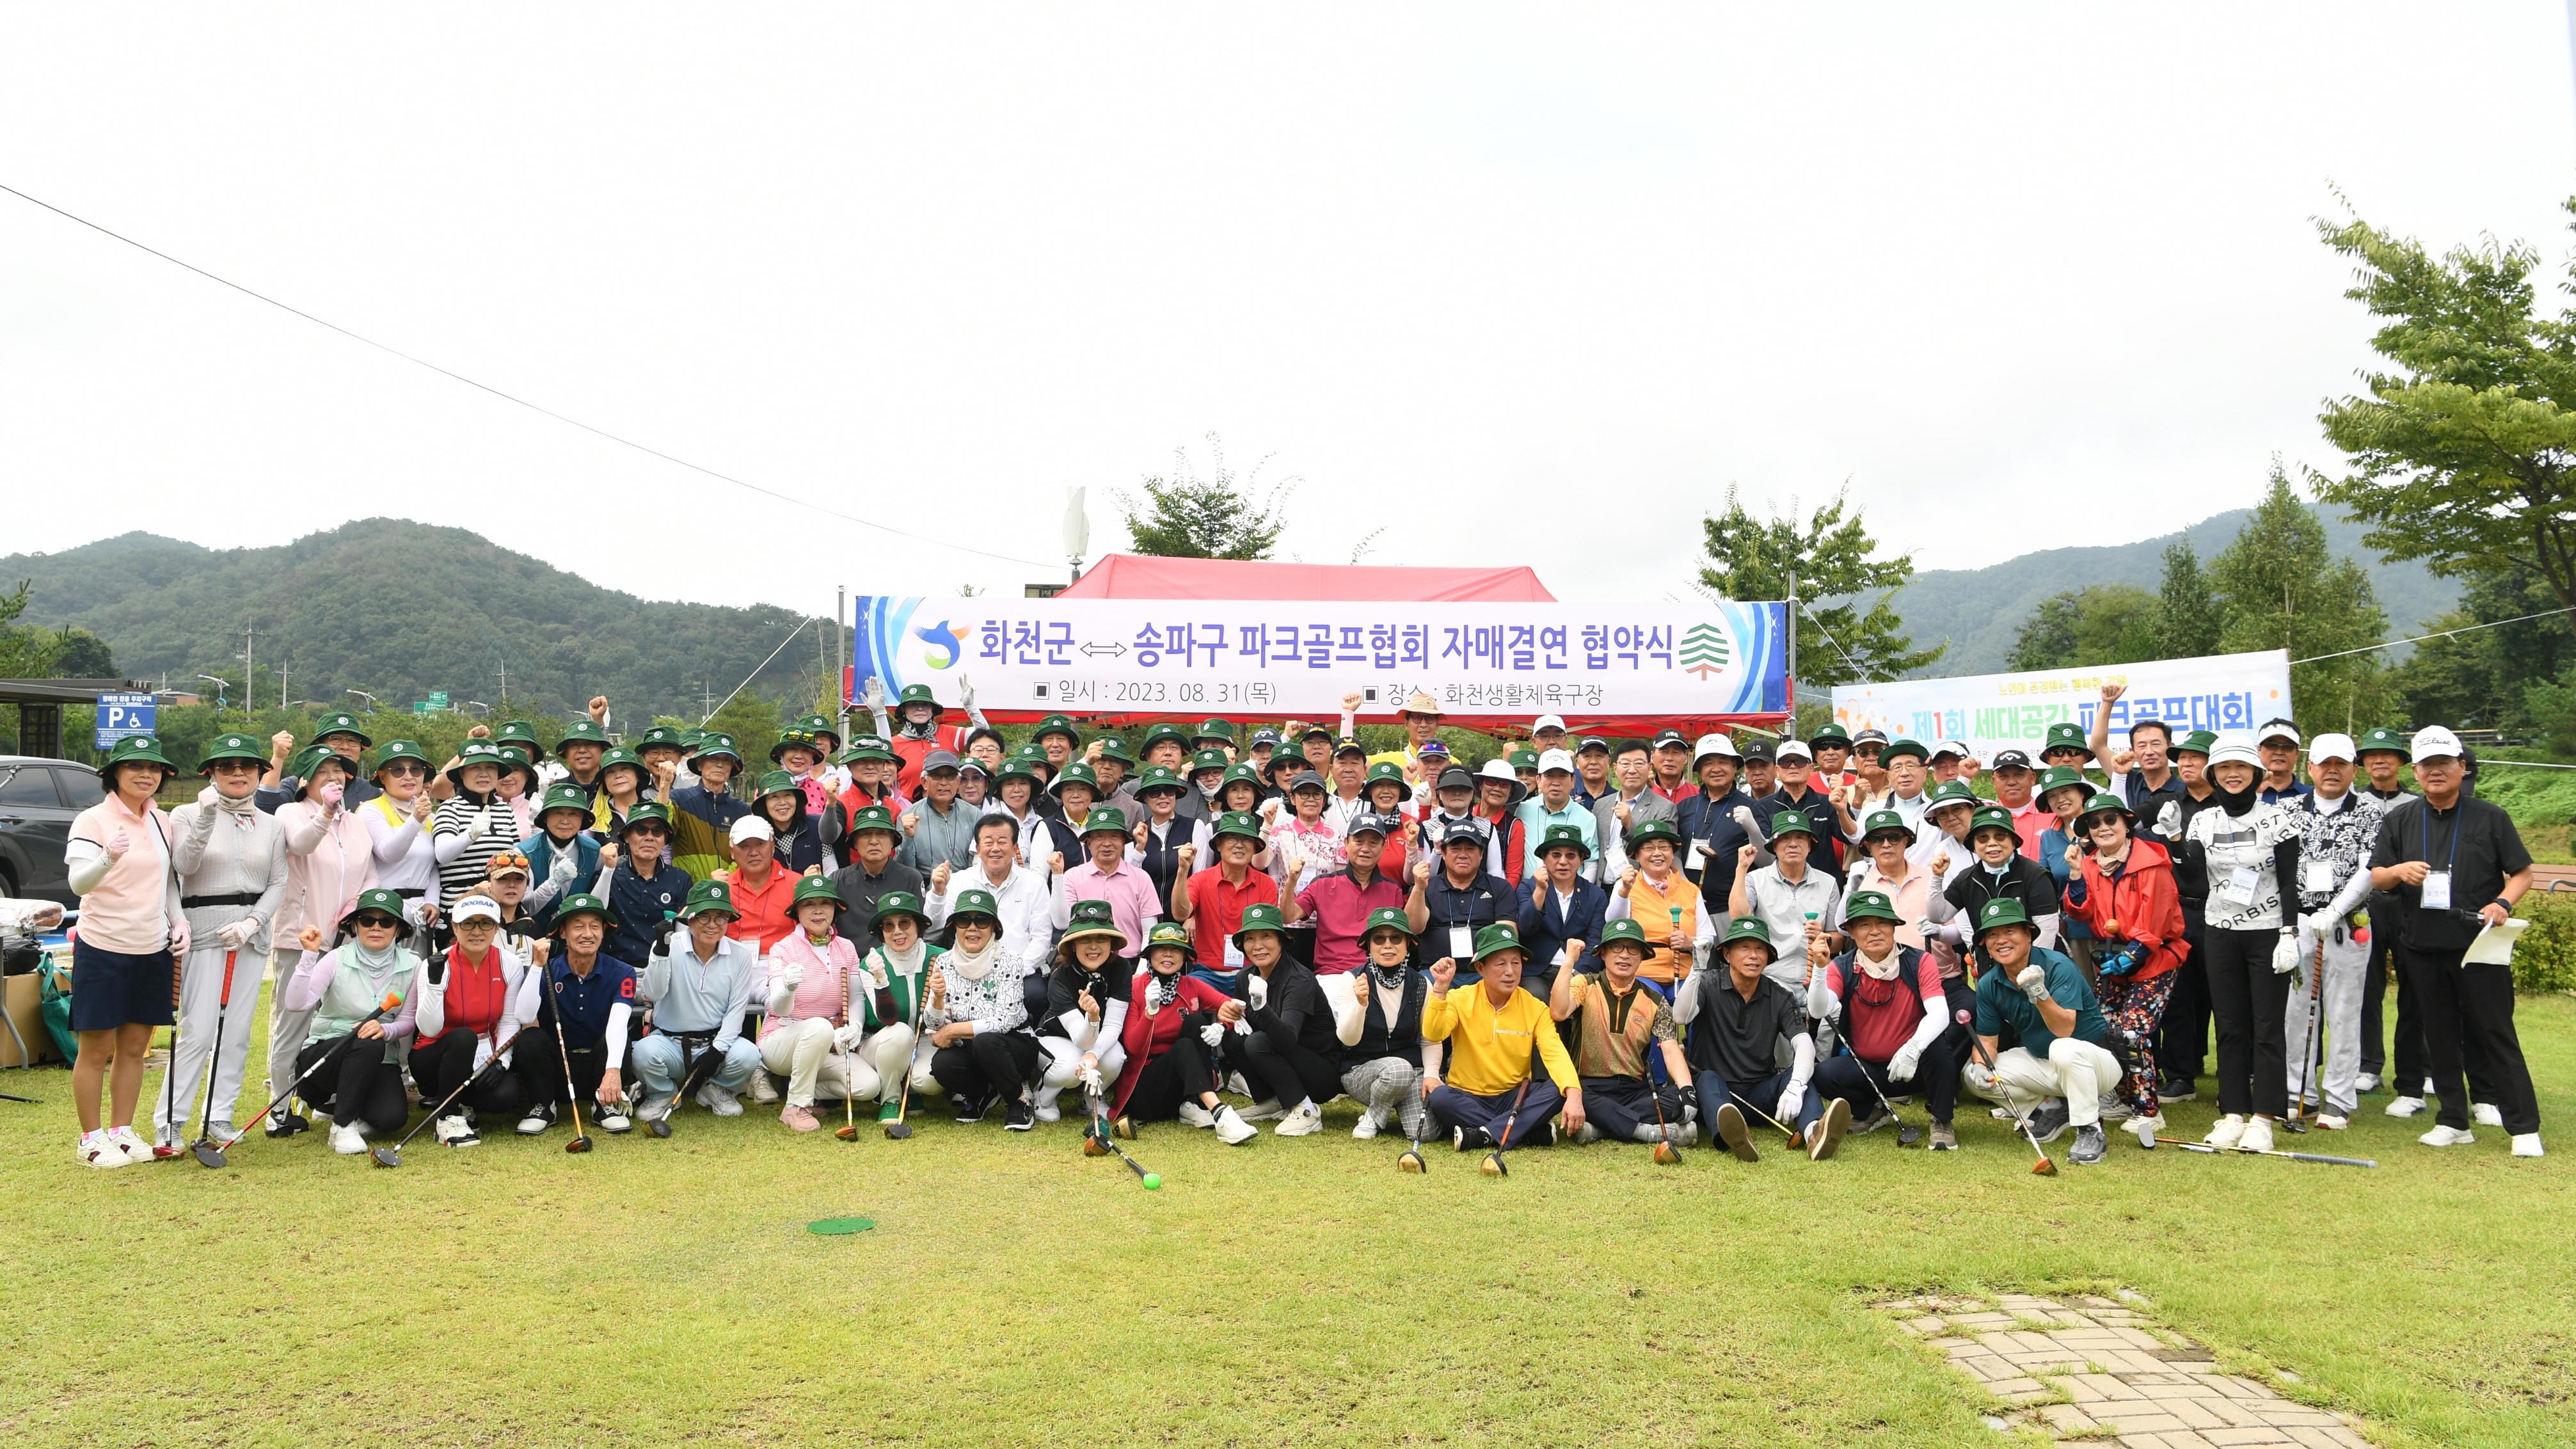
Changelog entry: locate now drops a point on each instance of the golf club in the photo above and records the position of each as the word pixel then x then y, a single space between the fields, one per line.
pixel 391 1156
pixel 1906 1133
pixel 1492 1166
pixel 30 1101
pixel 695 1077
pixel 2257 1152
pixel 899 1129
pixel 1785 1130
pixel 2309 1040
pixel 1412 1161
pixel 384 1008
pixel 170 1073
pixel 204 1147
pixel 2046 1166
pixel 1151 1180
pixel 848 1131
pixel 572 1096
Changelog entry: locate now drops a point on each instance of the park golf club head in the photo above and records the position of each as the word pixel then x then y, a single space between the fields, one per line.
pixel 1493 1166
pixel 388 1155
pixel 2044 1167
pixel 1093 1146
pixel 1667 1154
pixel 1908 1134
pixel 659 1126
pixel 846 1133
pixel 580 1143
pixel 898 1131
pixel 1411 1161
pixel 208 1154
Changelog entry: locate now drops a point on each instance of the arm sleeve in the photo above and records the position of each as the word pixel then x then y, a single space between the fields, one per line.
pixel 312 975
pixel 1686 1001
pixel 1618 910
pixel 196 824
pixel 304 830
pixel 2349 899
pixel 1802 1061
pixel 88 865
pixel 2285 867
pixel 429 1005
pixel 1349 1018
pixel 657 975
pixel 390 843
pixel 619 1016
pixel 1113 1024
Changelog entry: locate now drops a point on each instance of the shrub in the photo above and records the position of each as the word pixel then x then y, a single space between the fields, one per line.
pixel 2545 958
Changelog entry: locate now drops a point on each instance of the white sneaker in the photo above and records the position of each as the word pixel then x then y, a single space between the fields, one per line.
pixel 2144 1129
pixel 2258 1136
pixel 2366 1082
pixel 1231 1129
pixel 1196 1115
pixel 1261 1111
pixel 1049 1113
pixel 97 1149
pixel 613 1118
pixel 2405 1106
pixel 719 1101
pixel 1306 1120
pixel 347 1141
pixel 763 1090
pixel 2527 1144
pixel 1235 1083
pixel 2442 1136
pixel 2486 1114
pixel 2429 1089
pixel 2229 1131
pixel 2332 1122
pixel 127 1142
pixel 2116 1109
pixel 1368 1126
pixel 448 1128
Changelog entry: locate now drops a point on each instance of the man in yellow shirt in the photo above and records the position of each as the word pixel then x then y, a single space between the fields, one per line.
pixel 1492 1029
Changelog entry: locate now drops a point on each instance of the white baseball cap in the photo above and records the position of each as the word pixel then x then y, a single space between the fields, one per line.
pixel 752 827
pixel 1547 722
pixel 2330 746
pixel 1550 761
pixel 1950 747
pixel 1793 746
pixel 2436 742
pixel 1713 744
pixel 2234 745
pixel 476 907
pixel 2277 729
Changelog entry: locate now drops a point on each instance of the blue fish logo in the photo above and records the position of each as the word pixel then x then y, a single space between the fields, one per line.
pixel 940 637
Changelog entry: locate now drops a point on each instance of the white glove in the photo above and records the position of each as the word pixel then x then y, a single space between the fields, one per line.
pixel 1790 1101
pixel 1213 1034
pixel 793 976
pixel 1744 821
pixel 847 1038
pixel 207 797
pixel 1089 1077
pixel 2285 956
pixel 179 937
pixel 1258 990
pixel 2312 931
pixel 482 1053
pixel 2033 983
pixel 1978 1077
pixel 238 934
pixel 1900 1067
pixel 881 977
pixel 876 694
pixel 965 692
pixel 421 910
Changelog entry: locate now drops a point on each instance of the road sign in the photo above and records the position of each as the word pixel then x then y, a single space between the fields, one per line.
pixel 123 716
pixel 438 699
pixel 422 706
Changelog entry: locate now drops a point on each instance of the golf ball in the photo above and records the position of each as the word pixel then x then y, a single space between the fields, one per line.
pixel 1153 1180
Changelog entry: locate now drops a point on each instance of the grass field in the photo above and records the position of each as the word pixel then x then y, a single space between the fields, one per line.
pixel 1015 1291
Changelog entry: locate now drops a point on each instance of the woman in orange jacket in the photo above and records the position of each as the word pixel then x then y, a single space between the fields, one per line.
pixel 2122 885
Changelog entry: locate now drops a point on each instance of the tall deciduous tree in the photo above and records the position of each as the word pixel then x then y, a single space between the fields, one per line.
pixel 2097 624
pixel 2280 589
pixel 2464 451
pixel 1857 637
pixel 1220 516
pixel 2186 610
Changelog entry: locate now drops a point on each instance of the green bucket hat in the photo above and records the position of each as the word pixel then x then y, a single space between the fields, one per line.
pixel 1500 936
pixel 306 761
pixel 1563 835
pixel 1056 724
pixel 517 732
pixel 661 737
pixel 583 731
pixel 1214 729
pixel 2105 801
pixel 975 902
pixel 135 750
pixel 2066 735
pixel 1105 820
pixel 1206 760
pixel 563 795
pixel 1075 773
pixel 819 726
pixel 2059 777
pixel 1388 918
pixel 1524 760
pixel 379 902
pixel 516 757
pixel 1261 916
pixel 341 724
pixel 709 895
pixel 1748 928
pixel 1089 918
pixel 1794 822
pixel 647 812
pixel 917 694
pixel 1664 830
pixel 1160 733
pixel 1993 817
pixel 1243 774
pixel 1949 792
pixel 1829 735
pixel 1387 770
pixel 475 752
pixel 778 782
pixel 1879 820
pixel 1624 929
pixel 869 747
pixel 620 755
pixel 401 750
pixel 1903 747
pixel 795 739
pixel 897 903
pixel 231 747
pixel 583 905
pixel 1236 822
pixel 812 888
pixel 1159 777
pixel 2378 739
pixel 875 817
pixel 1021 766
pixel 1174 934
pixel 1114 748
pixel 1871 906
pixel 2000 912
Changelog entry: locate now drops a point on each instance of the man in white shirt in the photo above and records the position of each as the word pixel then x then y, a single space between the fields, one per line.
pixel 1023 896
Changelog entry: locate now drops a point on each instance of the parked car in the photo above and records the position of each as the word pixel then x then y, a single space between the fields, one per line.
pixel 38 798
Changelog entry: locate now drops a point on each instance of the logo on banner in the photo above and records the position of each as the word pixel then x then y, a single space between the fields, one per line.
pixel 1704 651
pixel 947 645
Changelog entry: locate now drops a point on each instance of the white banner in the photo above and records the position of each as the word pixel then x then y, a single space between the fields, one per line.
pixel 1255 659
pixel 1990 712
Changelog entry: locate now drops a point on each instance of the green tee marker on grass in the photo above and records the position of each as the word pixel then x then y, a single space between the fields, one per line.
pixel 836 1227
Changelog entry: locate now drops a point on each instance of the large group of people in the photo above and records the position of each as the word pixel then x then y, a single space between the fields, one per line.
pixel 1649 939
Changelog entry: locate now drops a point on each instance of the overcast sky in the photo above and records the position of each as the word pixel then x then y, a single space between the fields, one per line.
pixel 2023 276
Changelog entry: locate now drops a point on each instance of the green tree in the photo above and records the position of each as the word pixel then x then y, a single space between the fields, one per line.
pixel 2497 674
pixel 2096 624
pixel 755 724
pixel 1220 516
pixel 2464 450
pixel 2186 610
pixel 2046 640
pixel 2280 589
pixel 26 651
pixel 1840 642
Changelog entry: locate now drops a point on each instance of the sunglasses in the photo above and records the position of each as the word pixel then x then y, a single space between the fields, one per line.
pixel 377 922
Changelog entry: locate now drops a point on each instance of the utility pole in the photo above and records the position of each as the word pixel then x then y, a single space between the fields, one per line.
pixel 505 683
pixel 1792 640
pixel 841 653
pixel 250 683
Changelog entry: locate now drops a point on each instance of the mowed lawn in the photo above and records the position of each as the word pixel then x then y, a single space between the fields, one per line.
pixel 1302 1291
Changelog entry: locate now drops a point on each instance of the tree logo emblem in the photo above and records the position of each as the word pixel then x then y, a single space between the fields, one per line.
pixel 1704 650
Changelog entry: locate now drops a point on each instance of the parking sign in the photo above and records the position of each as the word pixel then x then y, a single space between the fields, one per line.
pixel 123 716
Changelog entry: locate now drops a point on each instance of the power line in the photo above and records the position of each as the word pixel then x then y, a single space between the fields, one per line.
pixel 2444 634
pixel 755 672
pixel 513 398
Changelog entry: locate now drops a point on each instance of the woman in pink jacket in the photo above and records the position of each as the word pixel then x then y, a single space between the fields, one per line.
pixel 811 1031
pixel 132 931
pixel 330 858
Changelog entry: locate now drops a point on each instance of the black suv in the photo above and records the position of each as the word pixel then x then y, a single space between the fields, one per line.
pixel 38 798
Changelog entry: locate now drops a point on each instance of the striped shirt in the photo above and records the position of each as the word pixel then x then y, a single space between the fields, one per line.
pixel 474 834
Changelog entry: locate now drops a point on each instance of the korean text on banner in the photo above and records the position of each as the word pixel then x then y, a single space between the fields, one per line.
pixel 1258 658
pixel 1990 712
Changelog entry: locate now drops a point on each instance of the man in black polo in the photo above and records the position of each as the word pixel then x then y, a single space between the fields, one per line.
pixel 2457 865
pixel 2142 775
pixel 1798 789
pixel 1454 897
pixel 871 873
pixel 2384 757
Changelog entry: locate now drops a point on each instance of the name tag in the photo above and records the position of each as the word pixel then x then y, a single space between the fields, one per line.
pixel 2437 891
pixel 2316 877
pixel 1462 943
pixel 1699 855
pixel 2239 890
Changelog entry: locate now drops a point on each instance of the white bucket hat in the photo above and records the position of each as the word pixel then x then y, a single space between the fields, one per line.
pixel 2234 745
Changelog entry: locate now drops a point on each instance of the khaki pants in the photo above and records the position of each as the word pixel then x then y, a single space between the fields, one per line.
pixel 2074 1069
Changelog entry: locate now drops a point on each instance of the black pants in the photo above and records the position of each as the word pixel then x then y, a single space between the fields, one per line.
pixel 443 1065
pixel 1849 1077
pixel 1178 1075
pixel 2251 1002
pixel 2464 1006
pixel 1288 1070
pixel 540 1073
pixel 1621 1105
pixel 2374 985
pixel 2182 1038
pixel 363 1086
pixel 984 1064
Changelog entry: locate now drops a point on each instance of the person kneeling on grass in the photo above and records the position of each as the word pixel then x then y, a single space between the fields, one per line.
pixel 1742 1015
pixel 340 988
pixel 2042 1029
pixel 699 983
pixel 1084 1033
pixel 1285 1040
pixel 1170 1042
pixel 807 1034
pixel 1382 1070
pixel 1491 1030
pixel 898 970
pixel 475 996
pixel 1615 1026
pixel 978 1019
pixel 1888 1007
pixel 589 997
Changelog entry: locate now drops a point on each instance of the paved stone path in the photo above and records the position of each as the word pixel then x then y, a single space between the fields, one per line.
pixel 2095 1368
